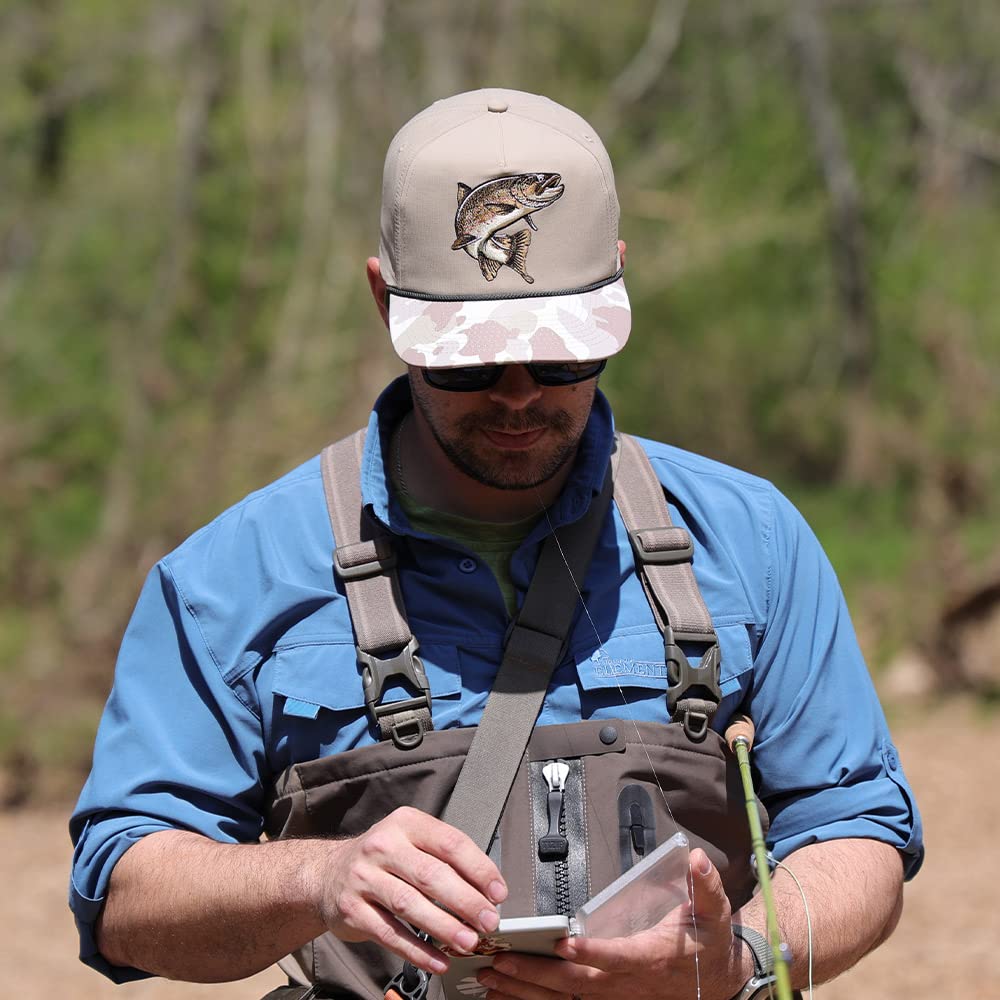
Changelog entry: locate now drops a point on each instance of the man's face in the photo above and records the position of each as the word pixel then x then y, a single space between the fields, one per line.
pixel 513 436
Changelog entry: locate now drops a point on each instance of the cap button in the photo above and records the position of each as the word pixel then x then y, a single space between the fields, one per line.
pixel 497 106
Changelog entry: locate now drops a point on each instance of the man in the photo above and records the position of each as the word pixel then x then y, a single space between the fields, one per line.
pixel 500 280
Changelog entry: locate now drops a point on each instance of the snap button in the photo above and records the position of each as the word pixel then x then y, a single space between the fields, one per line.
pixel 497 106
pixel 467 565
pixel 608 735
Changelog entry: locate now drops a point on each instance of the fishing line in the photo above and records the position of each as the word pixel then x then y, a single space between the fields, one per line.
pixel 635 726
pixel 809 926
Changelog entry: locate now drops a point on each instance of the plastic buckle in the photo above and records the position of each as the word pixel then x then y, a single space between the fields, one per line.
pixel 410 983
pixel 693 693
pixel 661 556
pixel 375 671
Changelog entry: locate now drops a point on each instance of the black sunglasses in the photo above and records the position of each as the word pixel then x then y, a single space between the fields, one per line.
pixel 479 377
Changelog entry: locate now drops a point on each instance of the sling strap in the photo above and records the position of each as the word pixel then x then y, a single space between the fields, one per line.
pixel 535 643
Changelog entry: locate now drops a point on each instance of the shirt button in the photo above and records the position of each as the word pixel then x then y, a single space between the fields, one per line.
pixel 467 565
pixel 891 757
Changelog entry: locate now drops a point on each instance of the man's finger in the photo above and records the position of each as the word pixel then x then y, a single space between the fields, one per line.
pixel 610 954
pixel 671 938
pixel 393 935
pixel 710 903
pixel 434 861
pixel 532 977
pixel 457 849
pixel 395 896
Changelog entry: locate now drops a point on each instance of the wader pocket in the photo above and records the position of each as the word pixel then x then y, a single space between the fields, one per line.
pixel 636 825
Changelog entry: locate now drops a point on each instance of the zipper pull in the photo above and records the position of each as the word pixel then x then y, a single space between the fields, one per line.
pixel 554 846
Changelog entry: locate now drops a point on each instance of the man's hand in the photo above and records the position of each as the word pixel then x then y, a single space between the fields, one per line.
pixel 185 907
pixel 657 963
pixel 408 867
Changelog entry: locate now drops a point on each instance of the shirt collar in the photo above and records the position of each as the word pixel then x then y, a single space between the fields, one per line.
pixel 584 483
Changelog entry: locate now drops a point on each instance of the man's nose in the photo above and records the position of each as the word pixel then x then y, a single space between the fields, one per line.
pixel 516 388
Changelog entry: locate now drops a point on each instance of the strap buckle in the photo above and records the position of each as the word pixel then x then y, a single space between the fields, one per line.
pixel 410 983
pixel 693 693
pixel 404 719
pixel 664 546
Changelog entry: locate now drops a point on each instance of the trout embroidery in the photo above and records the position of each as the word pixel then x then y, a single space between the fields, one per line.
pixel 495 205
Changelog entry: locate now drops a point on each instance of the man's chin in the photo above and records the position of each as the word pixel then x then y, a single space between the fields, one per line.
pixel 513 471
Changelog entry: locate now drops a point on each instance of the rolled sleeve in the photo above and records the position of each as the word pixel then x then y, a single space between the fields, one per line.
pixel 177 748
pixel 825 759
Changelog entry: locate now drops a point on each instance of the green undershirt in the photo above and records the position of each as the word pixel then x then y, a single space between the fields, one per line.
pixel 493 542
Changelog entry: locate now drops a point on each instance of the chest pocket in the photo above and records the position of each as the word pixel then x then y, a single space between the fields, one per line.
pixel 319 706
pixel 630 667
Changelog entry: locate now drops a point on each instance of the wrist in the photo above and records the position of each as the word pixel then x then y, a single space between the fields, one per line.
pixel 756 950
pixel 311 861
pixel 742 965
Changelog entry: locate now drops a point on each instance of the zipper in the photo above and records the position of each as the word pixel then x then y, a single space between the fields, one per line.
pixel 553 846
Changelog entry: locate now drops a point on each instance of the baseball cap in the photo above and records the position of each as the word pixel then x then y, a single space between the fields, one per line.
pixel 499 235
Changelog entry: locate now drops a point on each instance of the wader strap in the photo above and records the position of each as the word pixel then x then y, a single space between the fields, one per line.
pixel 364 558
pixel 663 560
pixel 535 644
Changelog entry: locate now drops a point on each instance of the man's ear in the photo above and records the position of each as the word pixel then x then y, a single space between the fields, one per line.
pixel 621 252
pixel 377 284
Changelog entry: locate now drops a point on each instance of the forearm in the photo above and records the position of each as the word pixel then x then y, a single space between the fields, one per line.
pixel 854 891
pixel 185 907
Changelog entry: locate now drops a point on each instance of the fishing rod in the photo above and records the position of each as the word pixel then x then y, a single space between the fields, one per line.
pixel 739 736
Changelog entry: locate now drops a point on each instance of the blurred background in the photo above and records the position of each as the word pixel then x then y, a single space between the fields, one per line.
pixel 809 193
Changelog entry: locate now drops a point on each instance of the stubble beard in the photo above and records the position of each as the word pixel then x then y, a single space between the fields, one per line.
pixel 512 470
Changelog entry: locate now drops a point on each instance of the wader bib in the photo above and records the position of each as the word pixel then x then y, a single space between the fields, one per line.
pixel 556 847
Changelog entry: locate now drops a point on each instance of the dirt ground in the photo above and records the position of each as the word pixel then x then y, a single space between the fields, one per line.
pixel 946 943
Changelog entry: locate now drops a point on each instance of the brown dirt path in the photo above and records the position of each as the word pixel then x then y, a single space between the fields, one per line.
pixel 946 943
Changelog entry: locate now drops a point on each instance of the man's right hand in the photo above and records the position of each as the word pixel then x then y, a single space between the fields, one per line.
pixel 408 867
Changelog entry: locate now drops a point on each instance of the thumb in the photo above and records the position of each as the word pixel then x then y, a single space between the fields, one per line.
pixel 709 901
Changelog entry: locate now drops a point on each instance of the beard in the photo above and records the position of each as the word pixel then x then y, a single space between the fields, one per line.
pixel 466 447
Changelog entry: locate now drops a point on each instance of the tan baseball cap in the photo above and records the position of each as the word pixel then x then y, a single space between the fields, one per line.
pixel 499 237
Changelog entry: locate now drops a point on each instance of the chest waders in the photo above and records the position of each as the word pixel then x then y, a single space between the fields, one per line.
pixel 559 835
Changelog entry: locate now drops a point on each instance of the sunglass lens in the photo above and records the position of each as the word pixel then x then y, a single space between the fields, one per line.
pixel 566 373
pixel 479 377
pixel 470 379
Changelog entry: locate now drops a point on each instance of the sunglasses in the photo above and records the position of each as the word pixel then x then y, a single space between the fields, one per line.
pixel 479 377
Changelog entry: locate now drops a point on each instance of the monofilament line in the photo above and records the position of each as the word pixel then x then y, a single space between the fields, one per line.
pixel 809 927
pixel 635 726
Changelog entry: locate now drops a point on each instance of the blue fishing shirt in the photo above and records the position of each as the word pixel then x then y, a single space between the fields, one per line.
pixel 239 659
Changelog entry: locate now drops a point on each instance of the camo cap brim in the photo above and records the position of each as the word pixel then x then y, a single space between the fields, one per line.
pixel 579 326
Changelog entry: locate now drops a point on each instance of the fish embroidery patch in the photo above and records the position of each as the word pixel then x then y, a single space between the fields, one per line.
pixel 495 205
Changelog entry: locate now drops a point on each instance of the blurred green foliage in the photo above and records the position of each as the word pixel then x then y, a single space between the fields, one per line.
pixel 188 193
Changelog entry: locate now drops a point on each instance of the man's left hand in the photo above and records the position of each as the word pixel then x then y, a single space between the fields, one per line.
pixel 691 943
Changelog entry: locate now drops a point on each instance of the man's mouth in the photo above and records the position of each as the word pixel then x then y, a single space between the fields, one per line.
pixel 513 440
